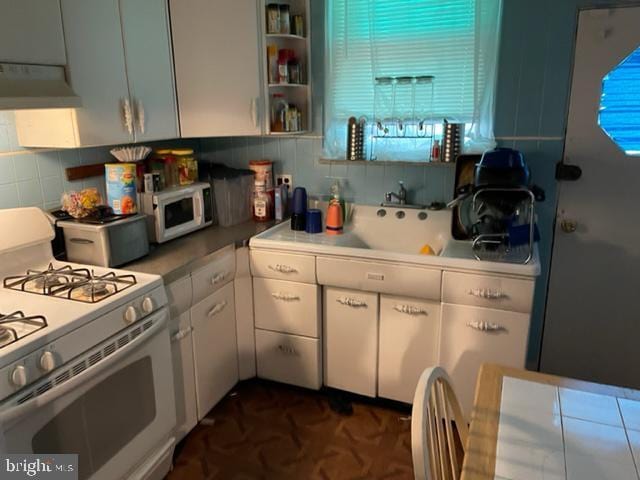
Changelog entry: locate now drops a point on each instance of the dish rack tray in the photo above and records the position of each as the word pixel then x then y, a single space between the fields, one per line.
pixel 495 247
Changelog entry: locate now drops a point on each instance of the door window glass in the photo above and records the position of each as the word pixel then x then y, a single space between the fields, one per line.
pixel 619 114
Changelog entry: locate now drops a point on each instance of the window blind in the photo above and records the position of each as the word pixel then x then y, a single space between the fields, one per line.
pixel 450 40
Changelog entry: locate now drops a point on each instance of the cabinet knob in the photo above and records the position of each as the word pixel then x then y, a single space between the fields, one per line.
pixel 217 308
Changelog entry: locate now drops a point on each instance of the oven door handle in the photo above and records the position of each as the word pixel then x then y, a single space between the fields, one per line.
pixel 27 407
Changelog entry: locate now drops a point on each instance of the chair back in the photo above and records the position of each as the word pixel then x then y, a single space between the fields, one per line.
pixel 436 418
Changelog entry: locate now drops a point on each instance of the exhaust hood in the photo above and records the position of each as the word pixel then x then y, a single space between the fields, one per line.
pixel 25 86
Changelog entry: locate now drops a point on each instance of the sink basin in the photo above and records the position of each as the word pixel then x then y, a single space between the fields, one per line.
pixel 394 229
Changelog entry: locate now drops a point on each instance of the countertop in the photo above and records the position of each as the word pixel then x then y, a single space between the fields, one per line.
pixel 177 258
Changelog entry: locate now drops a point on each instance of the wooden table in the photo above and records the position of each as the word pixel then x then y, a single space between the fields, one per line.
pixel 480 456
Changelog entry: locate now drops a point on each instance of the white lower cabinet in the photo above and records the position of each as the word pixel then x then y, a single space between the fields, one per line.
pixel 351 340
pixel 472 336
pixel 289 359
pixel 409 330
pixel 215 347
pixel 183 374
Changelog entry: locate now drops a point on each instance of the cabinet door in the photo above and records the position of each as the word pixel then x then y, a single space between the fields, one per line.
pixel 217 68
pixel 472 336
pixel 215 348
pixel 408 344
pixel 183 374
pixel 147 46
pixel 350 340
pixel 97 72
pixel 31 32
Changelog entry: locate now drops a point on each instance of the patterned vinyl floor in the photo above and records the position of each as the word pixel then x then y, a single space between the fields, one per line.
pixel 270 431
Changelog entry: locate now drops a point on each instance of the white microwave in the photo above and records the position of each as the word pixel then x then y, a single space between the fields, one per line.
pixel 177 211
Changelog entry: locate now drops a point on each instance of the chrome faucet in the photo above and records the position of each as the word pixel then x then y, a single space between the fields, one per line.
pixel 401 196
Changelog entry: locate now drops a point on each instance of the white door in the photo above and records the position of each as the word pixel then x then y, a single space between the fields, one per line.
pixel 217 67
pixel 591 327
pixel 351 340
pixel 96 63
pixel 215 348
pixel 408 344
pixel 147 46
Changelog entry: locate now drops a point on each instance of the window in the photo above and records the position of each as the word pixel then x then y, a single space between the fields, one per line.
pixel 453 42
pixel 620 104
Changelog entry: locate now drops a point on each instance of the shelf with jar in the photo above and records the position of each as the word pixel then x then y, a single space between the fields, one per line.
pixel 286 60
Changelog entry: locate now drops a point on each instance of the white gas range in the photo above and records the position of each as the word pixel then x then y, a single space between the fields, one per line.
pixel 85 360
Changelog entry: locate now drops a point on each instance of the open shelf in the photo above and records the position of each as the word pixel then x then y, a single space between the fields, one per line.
pixel 288 85
pixel 296 95
pixel 285 35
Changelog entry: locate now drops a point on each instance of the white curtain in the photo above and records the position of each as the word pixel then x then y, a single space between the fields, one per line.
pixel 453 41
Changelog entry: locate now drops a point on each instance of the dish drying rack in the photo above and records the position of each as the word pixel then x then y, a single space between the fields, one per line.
pixel 495 247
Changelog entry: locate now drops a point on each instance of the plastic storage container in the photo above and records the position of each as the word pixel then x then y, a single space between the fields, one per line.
pixel 186 165
pixel 232 191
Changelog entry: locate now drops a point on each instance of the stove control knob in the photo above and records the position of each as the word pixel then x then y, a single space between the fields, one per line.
pixel 19 376
pixel 130 314
pixel 147 305
pixel 47 361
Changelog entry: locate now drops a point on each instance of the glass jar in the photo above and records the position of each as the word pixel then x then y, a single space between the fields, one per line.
pixel 262 203
pixel 279 108
pixel 171 176
pixel 185 165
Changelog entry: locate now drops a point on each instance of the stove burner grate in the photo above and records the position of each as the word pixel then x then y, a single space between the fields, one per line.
pixel 9 323
pixel 77 284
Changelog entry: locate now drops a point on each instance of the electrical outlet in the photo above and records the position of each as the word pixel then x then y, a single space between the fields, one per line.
pixel 285 179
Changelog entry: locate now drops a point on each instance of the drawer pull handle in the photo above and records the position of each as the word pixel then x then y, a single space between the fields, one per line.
pixel 180 334
pixel 217 308
pixel 410 310
pixel 351 302
pixel 286 297
pixel 486 326
pixel 287 350
pixel 282 268
pixel 218 277
pixel 486 293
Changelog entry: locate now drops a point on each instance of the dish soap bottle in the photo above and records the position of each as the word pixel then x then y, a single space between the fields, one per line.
pixel 335 196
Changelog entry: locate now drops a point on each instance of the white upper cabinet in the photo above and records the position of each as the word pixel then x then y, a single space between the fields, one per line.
pixel 149 61
pixel 217 67
pixel 31 32
pixel 124 78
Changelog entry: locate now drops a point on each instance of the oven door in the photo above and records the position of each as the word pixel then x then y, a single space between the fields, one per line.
pixel 113 406
pixel 179 214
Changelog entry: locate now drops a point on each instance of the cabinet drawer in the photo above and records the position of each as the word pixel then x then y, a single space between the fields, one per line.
pixel 289 359
pixel 351 340
pixel 409 331
pixel 380 277
pixel 471 336
pixel 283 266
pixel 287 307
pixel 215 348
pixel 217 273
pixel 179 295
pixel 488 291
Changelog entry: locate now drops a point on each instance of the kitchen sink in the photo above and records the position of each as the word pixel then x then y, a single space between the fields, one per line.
pixel 391 234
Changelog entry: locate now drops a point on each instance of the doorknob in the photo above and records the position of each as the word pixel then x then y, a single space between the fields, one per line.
pixel 568 226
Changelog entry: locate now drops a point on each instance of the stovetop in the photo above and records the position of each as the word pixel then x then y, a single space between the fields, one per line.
pixel 64 296
pixel 79 284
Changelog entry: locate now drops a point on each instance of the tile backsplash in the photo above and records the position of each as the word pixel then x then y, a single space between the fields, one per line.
pixel 300 157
